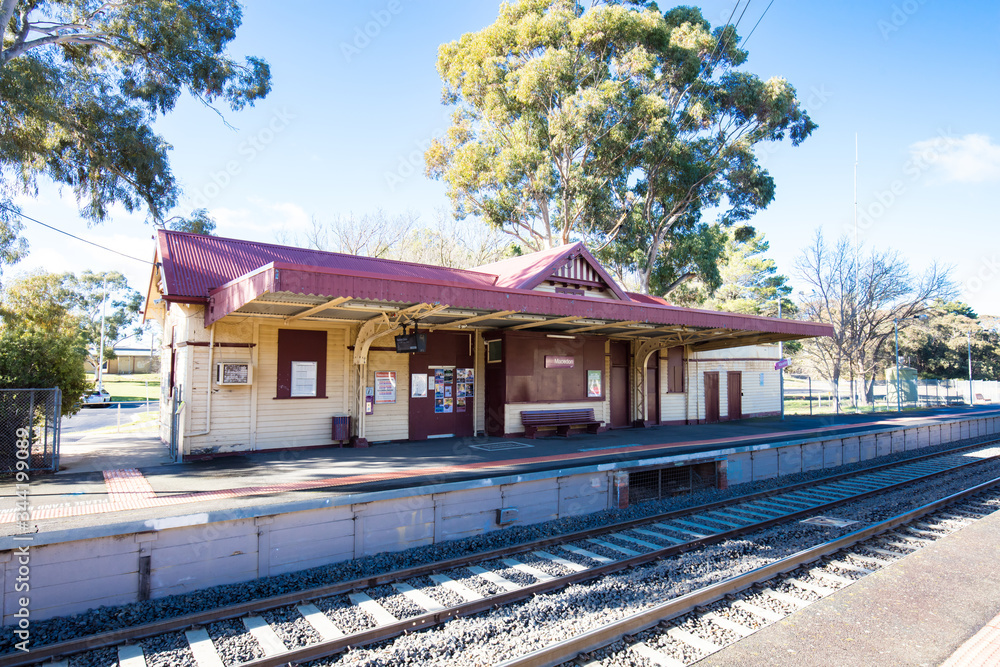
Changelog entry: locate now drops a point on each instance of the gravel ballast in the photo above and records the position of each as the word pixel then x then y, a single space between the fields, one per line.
pixel 500 633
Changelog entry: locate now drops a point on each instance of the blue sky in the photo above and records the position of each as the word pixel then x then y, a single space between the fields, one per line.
pixel 357 97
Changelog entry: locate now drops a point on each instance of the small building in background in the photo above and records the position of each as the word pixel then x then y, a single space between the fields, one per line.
pixel 129 360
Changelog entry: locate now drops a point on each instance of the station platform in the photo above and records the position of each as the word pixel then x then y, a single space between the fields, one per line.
pixel 123 479
pixel 937 606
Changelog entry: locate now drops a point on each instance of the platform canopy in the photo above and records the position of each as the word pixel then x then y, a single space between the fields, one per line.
pixel 562 291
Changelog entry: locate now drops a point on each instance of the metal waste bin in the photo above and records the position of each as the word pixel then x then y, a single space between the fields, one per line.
pixel 341 428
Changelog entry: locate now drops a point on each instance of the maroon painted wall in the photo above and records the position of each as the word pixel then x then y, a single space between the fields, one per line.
pixel 529 381
pixel 521 375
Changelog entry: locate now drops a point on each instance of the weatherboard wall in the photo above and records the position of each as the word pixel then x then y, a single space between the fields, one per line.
pixel 298 422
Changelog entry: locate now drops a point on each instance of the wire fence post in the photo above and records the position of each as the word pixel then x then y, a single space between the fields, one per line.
pixel 32 416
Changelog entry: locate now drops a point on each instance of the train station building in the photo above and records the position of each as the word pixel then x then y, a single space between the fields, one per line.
pixel 276 347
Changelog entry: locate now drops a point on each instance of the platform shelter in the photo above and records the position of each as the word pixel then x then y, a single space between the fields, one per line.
pixel 271 347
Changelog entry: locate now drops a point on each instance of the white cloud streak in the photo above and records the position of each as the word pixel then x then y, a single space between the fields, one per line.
pixel 973 158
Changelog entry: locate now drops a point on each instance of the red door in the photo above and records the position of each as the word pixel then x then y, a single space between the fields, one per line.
pixel 711 397
pixel 734 393
pixel 448 407
pixel 653 389
pixel 619 384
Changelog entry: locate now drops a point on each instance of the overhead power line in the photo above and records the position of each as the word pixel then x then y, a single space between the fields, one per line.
pixel 73 236
pixel 711 59
pixel 747 38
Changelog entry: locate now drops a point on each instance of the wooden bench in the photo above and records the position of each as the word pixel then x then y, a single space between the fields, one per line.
pixel 562 420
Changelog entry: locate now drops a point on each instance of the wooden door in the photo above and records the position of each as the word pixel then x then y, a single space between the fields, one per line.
pixel 619 384
pixel 653 389
pixel 734 394
pixel 449 360
pixel 711 397
pixel 495 376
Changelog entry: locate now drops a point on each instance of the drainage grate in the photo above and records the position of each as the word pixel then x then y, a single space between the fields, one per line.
pixel 500 446
pixel 668 482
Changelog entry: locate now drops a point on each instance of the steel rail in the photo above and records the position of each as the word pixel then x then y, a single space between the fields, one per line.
pixel 385 632
pixel 566 650
pixel 112 637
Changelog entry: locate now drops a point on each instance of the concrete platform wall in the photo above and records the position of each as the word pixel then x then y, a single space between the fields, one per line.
pixel 197 551
pixel 70 577
pixel 751 466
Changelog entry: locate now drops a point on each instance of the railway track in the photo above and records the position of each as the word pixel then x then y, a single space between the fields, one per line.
pixel 692 627
pixel 321 622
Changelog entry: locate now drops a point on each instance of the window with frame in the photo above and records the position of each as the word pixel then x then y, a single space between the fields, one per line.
pixel 301 364
pixel 675 370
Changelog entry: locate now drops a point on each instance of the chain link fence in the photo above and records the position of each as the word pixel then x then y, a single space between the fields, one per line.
pixel 30 416
pixel 804 395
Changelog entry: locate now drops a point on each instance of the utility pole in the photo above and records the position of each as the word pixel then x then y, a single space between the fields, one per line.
pixel 895 324
pixel 857 269
pixel 100 349
pixel 781 378
pixel 971 396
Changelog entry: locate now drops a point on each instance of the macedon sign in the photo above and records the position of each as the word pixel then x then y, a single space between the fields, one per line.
pixel 558 361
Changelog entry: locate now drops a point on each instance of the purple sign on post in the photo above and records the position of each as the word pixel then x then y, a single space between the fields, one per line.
pixel 558 361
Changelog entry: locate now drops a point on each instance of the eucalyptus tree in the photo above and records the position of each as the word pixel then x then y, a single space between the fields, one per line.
pixel 50 302
pixel 940 345
pixel 83 81
pixel 42 342
pixel 199 222
pixel 749 281
pixel 613 123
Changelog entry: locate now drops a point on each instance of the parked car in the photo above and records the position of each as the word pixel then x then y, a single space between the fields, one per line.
pixel 96 397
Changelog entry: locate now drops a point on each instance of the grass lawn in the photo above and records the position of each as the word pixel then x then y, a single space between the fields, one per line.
pixel 131 387
pixel 801 407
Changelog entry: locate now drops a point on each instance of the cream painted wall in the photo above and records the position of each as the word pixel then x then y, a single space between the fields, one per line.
pixel 756 363
pixel 299 422
pixel 390 420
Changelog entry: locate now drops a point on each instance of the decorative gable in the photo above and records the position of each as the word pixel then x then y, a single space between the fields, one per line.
pixel 577 275
pixel 566 269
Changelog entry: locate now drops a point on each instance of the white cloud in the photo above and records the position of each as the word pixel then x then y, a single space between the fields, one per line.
pixel 262 221
pixel 973 158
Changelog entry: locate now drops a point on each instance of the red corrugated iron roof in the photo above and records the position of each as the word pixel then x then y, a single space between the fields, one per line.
pixel 280 277
pixel 234 272
pixel 195 264
pixel 528 271
pixel 649 298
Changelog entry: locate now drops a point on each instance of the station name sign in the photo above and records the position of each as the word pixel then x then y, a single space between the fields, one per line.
pixel 559 361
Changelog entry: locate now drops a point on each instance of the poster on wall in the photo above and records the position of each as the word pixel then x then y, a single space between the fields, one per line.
pixel 447 405
pixel 593 384
pixel 438 383
pixel 439 405
pixel 385 386
pixel 460 404
pixel 470 382
pixel 418 385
